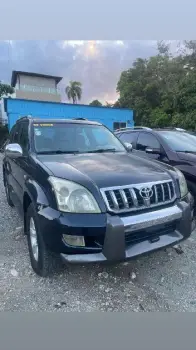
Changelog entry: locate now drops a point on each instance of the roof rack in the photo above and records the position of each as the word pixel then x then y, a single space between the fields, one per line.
pixel 134 128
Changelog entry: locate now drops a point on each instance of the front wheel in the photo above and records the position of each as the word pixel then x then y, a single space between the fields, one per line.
pixel 43 262
pixel 192 190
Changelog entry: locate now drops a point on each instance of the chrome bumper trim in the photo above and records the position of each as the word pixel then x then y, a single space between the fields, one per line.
pixel 156 217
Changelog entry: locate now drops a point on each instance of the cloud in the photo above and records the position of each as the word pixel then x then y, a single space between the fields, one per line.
pixel 97 64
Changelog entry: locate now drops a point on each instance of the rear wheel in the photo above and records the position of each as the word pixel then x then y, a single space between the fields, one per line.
pixel 43 262
pixel 7 192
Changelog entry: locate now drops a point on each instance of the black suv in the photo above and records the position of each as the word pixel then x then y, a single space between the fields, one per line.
pixel 176 147
pixel 84 197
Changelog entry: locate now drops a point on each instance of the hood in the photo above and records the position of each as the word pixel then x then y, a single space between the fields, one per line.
pixel 105 169
pixel 189 157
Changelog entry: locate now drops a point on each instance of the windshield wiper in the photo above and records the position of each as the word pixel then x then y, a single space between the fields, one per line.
pixel 102 150
pixel 58 152
pixel 186 152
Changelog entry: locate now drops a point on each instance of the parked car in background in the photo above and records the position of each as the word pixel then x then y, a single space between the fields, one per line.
pixel 175 147
pixel 86 198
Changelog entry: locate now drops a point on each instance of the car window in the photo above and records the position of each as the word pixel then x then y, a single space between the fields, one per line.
pixel 74 138
pixel 129 137
pixel 147 140
pixel 23 138
pixel 179 141
pixel 101 138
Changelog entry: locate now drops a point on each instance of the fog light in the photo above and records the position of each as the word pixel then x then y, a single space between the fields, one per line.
pixel 76 241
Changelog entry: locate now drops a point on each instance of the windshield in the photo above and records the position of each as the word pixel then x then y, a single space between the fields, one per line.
pixel 74 138
pixel 180 141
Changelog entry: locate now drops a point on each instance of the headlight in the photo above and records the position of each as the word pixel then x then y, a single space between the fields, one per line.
pixel 72 197
pixel 182 182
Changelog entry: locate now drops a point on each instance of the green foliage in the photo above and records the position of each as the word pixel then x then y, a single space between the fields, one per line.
pixel 162 89
pixel 95 103
pixel 5 89
pixel 74 91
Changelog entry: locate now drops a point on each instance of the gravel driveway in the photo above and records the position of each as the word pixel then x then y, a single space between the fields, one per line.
pixel 163 281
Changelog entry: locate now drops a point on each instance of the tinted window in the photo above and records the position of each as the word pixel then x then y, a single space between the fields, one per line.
pixel 179 141
pixel 129 137
pixel 147 140
pixel 23 139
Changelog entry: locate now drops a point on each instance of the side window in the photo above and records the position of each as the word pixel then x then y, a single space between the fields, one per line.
pixel 23 137
pixel 147 140
pixel 129 137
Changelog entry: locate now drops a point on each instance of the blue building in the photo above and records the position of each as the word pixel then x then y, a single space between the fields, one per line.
pixel 113 118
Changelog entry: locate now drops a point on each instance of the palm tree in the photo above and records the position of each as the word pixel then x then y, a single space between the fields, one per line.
pixel 74 91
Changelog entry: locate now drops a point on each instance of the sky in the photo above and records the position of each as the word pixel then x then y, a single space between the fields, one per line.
pixel 96 64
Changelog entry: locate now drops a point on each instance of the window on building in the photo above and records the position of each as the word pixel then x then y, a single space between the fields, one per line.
pixel 119 125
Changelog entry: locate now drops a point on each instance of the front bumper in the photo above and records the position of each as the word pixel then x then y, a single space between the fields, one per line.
pixel 120 237
pixel 117 245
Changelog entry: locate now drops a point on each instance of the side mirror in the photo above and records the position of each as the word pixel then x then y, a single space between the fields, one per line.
pixel 128 146
pixel 13 150
pixel 153 150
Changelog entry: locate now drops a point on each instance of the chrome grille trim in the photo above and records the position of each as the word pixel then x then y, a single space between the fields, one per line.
pixel 169 189
pixel 113 196
pixel 163 192
pixel 124 199
pixel 121 199
pixel 156 195
pixel 134 197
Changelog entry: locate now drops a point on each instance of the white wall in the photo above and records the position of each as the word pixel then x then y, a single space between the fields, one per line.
pixel 3 114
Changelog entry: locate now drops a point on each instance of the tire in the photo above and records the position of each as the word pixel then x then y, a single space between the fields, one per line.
pixel 192 190
pixel 43 262
pixel 7 193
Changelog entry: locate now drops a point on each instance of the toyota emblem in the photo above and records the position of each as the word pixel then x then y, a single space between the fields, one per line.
pixel 146 193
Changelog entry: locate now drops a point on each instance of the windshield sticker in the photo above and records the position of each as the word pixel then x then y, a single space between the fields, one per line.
pixel 43 124
pixel 37 132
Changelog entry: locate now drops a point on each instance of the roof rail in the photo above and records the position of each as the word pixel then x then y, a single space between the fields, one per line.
pixel 180 129
pixel 134 128
pixel 173 128
pixel 80 119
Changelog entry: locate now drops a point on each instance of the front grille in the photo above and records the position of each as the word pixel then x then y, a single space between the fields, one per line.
pixel 138 197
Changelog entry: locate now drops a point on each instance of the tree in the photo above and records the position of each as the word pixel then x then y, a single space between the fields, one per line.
pixel 95 103
pixel 162 89
pixel 107 104
pixel 5 90
pixel 163 48
pixel 74 91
